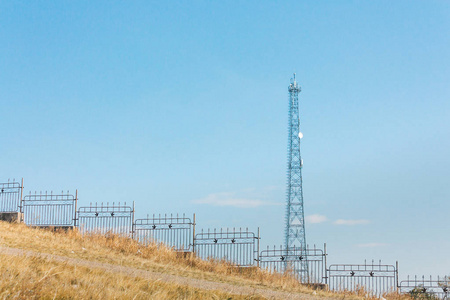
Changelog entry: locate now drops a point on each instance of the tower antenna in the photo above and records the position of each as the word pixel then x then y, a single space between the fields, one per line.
pixel 295 239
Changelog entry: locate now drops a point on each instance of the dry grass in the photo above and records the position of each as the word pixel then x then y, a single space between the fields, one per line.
pixel 126 252
pixel 37 278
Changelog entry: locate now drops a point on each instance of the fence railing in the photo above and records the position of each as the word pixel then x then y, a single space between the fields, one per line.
pixel 238 246
pixel 46 210
pixel 172 230
pixel 417 286
pixel 10 196
pixel 307 266
pixel 375 279
pixel 106 219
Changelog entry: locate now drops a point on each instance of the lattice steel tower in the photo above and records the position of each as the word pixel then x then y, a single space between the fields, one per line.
pixel 295 219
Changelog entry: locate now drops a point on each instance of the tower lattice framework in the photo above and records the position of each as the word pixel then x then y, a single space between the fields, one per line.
pixel 295 238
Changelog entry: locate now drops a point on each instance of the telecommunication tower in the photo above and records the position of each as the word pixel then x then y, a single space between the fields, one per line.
pixel 295 219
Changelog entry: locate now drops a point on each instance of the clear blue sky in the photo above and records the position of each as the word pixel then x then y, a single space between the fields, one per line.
pixel 182 107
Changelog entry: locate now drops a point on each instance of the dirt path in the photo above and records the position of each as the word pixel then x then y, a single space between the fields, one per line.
pixel 192 282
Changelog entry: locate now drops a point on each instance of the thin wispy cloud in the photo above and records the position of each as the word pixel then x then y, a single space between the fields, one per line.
pixel 230 199
pixel 351 222
pixel 315 219
pixel 371 245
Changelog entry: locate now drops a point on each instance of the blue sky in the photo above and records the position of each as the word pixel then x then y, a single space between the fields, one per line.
pixel 182 107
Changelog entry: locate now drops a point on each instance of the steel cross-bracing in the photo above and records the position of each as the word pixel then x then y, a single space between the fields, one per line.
pixel 295 220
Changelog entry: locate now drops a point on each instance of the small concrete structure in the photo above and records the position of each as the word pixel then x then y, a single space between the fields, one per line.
pixel 12 217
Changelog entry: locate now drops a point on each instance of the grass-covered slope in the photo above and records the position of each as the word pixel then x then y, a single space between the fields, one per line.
pixel 46 276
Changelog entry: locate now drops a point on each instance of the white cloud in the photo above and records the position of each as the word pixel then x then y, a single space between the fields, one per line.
pixel 229 199
pixel 371 245
pixel 351 222
pixel 315 219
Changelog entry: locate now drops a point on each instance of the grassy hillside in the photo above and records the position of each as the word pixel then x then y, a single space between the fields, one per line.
pixel 26 277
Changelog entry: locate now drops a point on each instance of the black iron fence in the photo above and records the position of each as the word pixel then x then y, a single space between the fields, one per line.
pixel 10 196
pixel 374 279
pixel 308 265
pixel 240 247
pixel 172 230
pixel 106 219
pixel 46 210
pixel 423 287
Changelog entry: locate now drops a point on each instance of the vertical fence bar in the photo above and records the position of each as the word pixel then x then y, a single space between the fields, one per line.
pixel 21 199
pixel 132 221
pixel 257 249
pixel 326 266
pixel 396 276
pixel 193 234
pixel 76 205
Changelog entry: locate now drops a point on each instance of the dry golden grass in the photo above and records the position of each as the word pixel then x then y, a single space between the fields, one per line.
pixel 126 252
pixel 33 277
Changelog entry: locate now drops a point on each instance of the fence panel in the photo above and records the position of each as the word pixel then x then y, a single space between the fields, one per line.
pixel 45 210
pixel 10 196
pixel 372 279
pixel 293 260
pixel 239 247
pixel 174 231
pixel 106 219
pixel 418 286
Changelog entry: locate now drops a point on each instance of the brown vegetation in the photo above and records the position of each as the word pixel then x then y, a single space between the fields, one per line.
pixel 41 277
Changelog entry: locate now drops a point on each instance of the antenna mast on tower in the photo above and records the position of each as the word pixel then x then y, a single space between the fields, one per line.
pixel 295 220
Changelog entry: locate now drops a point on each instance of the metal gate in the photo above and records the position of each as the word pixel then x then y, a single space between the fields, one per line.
pixel 173 231
pixel 10 196
pixel 106 219
pixel 419 286
pixel 372 279
pixel 49 210
pixel 291 261
pixel 239 247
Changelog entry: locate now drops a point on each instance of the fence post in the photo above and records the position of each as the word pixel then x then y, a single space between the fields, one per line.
pixel 396 275
pixel 20 203
pixel 193 235
pixel 76 206
pixel 257 248
pixel 326 268
pixel 132 222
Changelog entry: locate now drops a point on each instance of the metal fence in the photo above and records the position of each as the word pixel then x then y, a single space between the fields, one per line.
pixel 419 286
pixel 239 247
pixel 46 210
pixel 174 231
pixel 10 196
pixel 372 279
pixel 292 260
pixel 106 219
